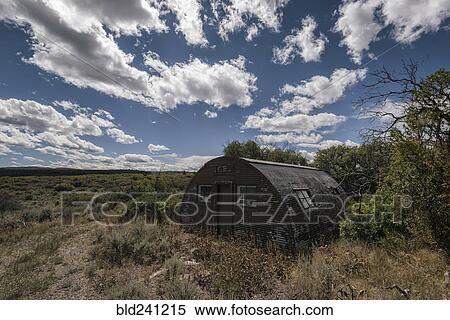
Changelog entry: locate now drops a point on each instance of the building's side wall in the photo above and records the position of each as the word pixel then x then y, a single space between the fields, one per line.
pixel 255 225
pixel 306 225
pixel 309 226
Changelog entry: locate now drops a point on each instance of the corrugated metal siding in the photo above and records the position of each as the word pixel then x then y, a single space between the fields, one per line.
pixel 276 180
pixel 285 179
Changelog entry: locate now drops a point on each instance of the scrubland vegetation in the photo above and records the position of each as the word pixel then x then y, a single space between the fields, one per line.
pixel 43 259
pixel 383 258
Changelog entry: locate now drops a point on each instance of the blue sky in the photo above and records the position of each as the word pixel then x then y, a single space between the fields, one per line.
pixel 165 84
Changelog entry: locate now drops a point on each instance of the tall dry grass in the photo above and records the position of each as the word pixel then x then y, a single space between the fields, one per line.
pixel 351 270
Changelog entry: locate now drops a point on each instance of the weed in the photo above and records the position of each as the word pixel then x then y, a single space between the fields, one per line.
pixel 24 278
pixel 8 203
pixel 351 270
pixel 180 289
pixel 240 271
pixel 64 187
pixel 174 268
pixel 125 291
pixel 139 244
pixel 90 271
pixel 45 215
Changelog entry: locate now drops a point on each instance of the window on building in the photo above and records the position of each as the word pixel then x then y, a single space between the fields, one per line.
pixel 224 169
pixel 305 198
pixel 245 195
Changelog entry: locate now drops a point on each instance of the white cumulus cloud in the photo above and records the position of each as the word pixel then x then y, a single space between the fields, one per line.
pixel 121 137
pixel 290 138
pixel 32 125
pixel 301 42
pixel 319 90
pixel 32 159
pixel 234 15
pixel 135 158
pixel 129 17
pixel 360 21
pixel 291 121
pixel 299 123
pixel 78 46
pixel 189 18
pixel 31 115
pixel 210 114
pixel 311 141
pixel 358 25
pixel 413 18
pixel 190 163
pixel 155 148
pixel 221 85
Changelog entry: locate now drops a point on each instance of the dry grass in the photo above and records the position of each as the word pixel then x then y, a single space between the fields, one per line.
pixel 238 270
pixel 137 243
pixel 26 275
pixel 41 259
pixel 349 270
pixel 178 284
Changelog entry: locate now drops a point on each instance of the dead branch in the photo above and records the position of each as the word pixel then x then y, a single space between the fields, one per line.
pixel 404 292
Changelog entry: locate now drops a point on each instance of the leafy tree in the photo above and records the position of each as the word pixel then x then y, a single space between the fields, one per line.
pixel 340 161
pixel 428 116
pixel 233 149
pixel 357 169
pixel 363 223
pixel 250 149
pixel 418 133
pixel 423 173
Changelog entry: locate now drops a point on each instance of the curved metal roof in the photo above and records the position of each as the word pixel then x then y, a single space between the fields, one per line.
pixel 278 164
pixel 286 177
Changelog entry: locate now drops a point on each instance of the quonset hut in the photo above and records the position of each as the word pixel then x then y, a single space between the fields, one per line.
pixel 286 204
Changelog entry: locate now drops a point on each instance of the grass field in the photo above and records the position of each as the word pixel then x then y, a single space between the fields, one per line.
pixel 42 259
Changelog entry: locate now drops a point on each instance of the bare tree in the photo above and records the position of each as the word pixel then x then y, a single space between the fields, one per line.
pixel 418 108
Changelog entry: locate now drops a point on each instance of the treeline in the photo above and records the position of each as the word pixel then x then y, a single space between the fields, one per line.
pixel 251 150
pixel 407 155
pixel 42 171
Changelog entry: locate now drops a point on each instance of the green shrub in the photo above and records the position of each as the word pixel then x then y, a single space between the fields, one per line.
pixel 22 278
pixel 139 244
pixel 8 203
pixel 176 287
pixel 26 216
pixel 370 231
pixel 45 215
pixel 174 268
pixel 77 183
pixel 125 292
pixel 370 221
pixel 29 216
pixel 64 186
pixel 181 289
pixel 250 149
pixel 422 172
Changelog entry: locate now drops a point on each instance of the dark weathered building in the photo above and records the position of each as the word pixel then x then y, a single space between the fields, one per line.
pixel 286 204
